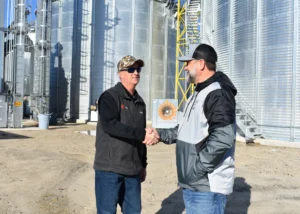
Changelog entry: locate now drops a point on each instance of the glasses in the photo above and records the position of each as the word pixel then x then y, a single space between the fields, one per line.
pixel 132 70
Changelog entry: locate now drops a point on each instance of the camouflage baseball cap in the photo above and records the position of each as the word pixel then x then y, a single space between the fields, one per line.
pixel 128 61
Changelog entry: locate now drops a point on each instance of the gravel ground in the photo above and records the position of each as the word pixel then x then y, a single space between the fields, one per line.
pixel 50 171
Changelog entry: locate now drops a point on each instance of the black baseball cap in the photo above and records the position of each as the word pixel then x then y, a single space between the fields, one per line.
pixel 202 51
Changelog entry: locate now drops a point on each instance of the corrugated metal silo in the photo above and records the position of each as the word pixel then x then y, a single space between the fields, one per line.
pixel 275 71
pixel 60 62
pixel 296 79
pixel 2 13
pixel 258 46
pixel 222 23
pixel 244 36
pixel 171 53
pixel 84 51
pixel 138 28
pixel 65 58
pixel 90 37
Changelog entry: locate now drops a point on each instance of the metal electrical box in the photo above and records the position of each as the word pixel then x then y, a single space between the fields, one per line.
pixel 3 112
pixel 164 113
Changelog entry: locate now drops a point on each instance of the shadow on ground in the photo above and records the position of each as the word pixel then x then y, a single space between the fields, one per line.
pixel 8 135
pixel 239 200
pixel 173 204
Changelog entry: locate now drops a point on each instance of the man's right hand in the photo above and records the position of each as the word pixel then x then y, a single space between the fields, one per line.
pixel 152 137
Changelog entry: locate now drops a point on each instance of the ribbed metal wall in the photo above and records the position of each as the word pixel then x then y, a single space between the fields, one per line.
pixel 2 14
pixel 159 56
pixel 171 62
pixel 221 25
pixel 64 75
pixel 207 30
pixel 296 95
pixel 105 20
pixel 90 37
pixel 258 46
pixel 138 28
pixel 83 52
pixel 275 73
pixel 243 49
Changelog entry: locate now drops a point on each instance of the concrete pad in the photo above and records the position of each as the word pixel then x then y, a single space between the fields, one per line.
pixel 270 142
pixel 88 132
pixel 278 143
pixel 21 129
pixel 30 123
pixel 240 139
pixel 92 123
pixel 81 121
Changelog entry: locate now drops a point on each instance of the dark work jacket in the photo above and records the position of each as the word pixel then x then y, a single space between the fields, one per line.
pixel 120 132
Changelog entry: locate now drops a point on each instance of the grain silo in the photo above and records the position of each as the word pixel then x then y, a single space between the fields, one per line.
pixel 2 14
pixel 258 46
pixel 90 37
pixel 139 28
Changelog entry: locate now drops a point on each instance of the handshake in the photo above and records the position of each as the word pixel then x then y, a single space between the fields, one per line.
pixel 151 137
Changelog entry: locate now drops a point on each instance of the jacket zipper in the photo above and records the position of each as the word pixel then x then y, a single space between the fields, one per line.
pixel 134 161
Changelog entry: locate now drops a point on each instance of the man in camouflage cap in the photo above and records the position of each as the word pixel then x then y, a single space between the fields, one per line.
pixel 128 61
pixel 121 157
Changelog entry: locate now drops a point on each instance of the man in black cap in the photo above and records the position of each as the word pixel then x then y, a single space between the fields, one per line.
pixel 205 137
pixel 121 157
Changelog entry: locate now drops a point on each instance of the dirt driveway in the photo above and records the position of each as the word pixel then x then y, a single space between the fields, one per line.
pixel 51 171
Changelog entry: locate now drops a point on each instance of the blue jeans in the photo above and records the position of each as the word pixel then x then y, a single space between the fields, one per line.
pixel 112 189
pixel 204 202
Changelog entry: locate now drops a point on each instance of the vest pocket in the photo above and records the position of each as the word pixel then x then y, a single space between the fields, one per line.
pixel 195 174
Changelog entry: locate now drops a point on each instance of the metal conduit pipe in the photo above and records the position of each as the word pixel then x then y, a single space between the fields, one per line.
pixel 19 26
pixel 48 51
pixel 37 75
pixel 42 64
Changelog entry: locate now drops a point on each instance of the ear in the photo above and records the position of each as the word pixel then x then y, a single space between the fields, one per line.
pixel 202 64
pixel 120 75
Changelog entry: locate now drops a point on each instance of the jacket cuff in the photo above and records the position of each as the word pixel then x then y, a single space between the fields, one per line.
pixel 140 134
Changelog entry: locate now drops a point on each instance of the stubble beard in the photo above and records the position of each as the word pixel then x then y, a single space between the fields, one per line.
pixel 191 75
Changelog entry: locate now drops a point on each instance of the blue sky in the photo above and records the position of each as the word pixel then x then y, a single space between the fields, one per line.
pixel 28 2
pixel 33 6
